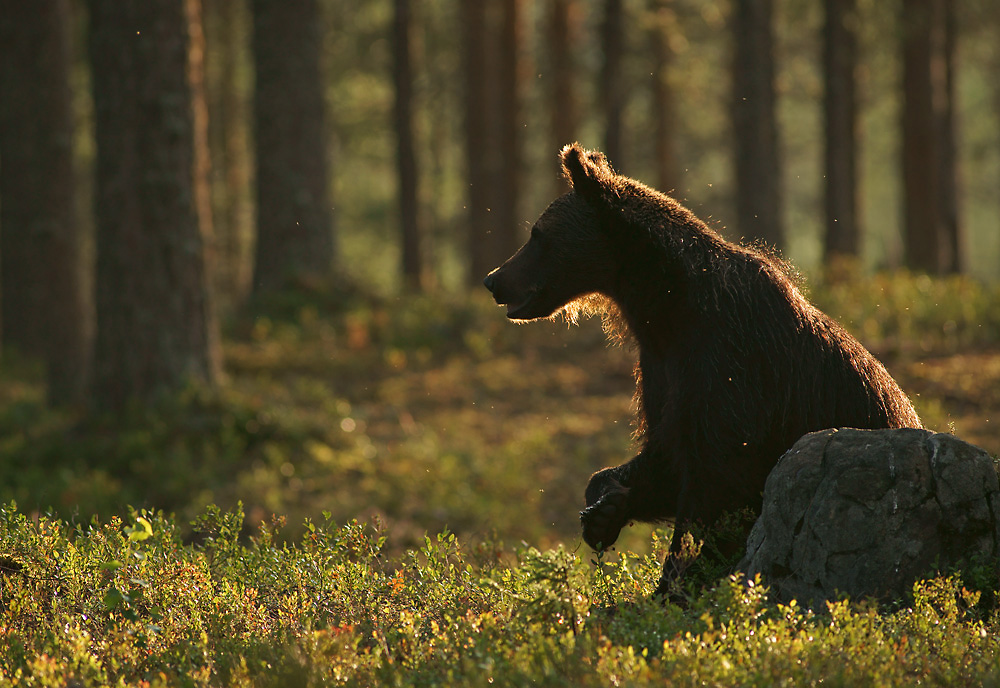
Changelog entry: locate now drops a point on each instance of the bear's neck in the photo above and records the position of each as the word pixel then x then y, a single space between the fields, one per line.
pixel 657 292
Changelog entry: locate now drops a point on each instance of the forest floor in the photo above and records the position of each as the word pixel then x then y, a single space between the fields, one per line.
pixel 959 393
pixel 430 413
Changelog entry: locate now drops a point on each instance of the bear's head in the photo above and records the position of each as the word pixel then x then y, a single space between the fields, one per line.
pixel 566 257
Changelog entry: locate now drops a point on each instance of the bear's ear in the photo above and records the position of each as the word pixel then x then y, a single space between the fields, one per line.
pixel 586 170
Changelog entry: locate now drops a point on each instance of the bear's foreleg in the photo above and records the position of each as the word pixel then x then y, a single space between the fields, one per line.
pixel 607 509
pixel 615 496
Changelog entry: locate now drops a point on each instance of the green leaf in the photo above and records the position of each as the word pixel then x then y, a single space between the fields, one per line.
pixel 112 598
pixel 141 532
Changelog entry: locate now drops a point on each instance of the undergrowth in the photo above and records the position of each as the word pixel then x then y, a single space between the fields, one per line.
pixel 129 602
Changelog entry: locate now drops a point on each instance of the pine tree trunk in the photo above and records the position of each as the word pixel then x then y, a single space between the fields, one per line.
pixel 840 111
pixel 480 138
pixel 510 81
pixel 227 28
pixel 612 90
pixel 758 168
pixel 920 209
pixel 951 218
pixel 155 327
pixel 932 233
pixel 199 107
pixel 406 160
pixel 563 36
pixel 42 294
pixel 663 99
pixel 294 222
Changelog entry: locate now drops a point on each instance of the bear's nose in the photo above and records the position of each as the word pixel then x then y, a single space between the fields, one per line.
pixel 490 281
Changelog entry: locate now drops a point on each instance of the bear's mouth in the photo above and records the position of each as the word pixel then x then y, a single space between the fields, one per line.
pixel 521 310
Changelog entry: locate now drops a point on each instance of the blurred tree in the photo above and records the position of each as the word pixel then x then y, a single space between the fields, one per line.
pixel 662 24
pixel 563 38
pixel 996 104
pixel 481 143
pixel 954 235
pixel 511 122
pixel 156 329
pixel 840 127
pixel 42 294
pixel 612 84
pixel 437 49
pixel 227 62
pixel 931 228
pixel 199 108
pixel 757 157
pixel 406 160
pixel 294 221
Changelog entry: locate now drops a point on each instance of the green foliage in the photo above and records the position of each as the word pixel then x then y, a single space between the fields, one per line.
pixel 127 602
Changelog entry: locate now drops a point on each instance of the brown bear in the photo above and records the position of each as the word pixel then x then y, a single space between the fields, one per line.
pixel 734 364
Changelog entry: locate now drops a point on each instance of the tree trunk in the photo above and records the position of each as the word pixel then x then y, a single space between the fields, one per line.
pixel 612 84
pixel 42 294
pixel 227 24
pixel 564 28
pixel 294 223
pixel 758 168
pixel 951 220
pixel 931 224
pixel 155 327
pixel 238 159
pixel 920 209
pixel 663 100
pixel 840 112
pixel 485 252
pixel 199 107
pixel 406 160
pixel 996 108
pixel 510 82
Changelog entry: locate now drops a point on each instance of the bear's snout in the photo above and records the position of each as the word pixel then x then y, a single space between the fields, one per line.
pixel 490 281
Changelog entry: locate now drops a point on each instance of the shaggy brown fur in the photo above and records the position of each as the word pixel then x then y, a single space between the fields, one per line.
pixel 734 363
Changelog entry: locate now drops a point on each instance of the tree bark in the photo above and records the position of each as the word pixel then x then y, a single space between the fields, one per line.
pixel 199 108
pixel 227 29
pixel 564 27
pixel 932 235
pixel 155 328
pixel 758 167
pixel 951 219
pixel 481 143
pixel 612 83
pixel 920 209
pixel 42 295
pixel 294 222
pixel 842 234
pixel 510 81
pixel 663 99
pixel 406 159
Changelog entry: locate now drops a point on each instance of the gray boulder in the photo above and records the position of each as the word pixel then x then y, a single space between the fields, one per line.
pixel 868 512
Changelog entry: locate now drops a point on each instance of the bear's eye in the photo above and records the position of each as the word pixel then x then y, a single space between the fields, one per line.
pixel 539 239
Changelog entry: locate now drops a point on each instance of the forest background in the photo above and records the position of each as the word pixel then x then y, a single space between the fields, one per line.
pixel 241 247
pixel 241 242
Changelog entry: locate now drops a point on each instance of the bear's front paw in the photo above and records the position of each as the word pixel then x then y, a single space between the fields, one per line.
pixel 604 519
